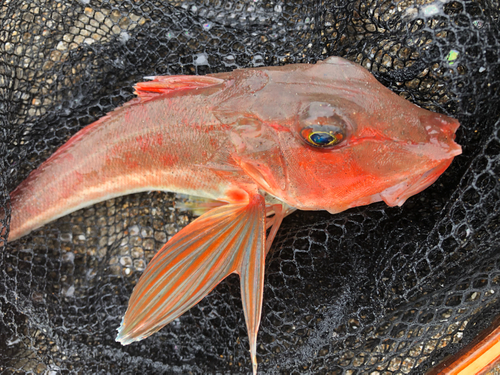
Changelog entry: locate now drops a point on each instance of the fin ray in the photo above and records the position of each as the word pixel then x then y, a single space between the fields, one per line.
pixel 251 272
pixel 166 84
pixel 218 243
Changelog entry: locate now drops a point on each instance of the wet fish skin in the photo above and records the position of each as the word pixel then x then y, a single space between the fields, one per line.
pixel 237 138
pixel 391 141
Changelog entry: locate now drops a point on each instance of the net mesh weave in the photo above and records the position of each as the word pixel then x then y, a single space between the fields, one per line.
pixel 372 290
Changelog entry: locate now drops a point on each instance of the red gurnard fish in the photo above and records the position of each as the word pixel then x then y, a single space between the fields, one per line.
pixel 263 142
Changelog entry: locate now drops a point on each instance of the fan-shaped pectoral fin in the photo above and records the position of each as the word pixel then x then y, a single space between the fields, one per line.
pixel 258 153
pixel 227 239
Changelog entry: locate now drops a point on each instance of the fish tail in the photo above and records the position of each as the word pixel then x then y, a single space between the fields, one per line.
pixel 227 239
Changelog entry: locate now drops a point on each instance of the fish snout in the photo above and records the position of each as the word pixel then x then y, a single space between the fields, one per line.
pixel 441 130
pixel 433 158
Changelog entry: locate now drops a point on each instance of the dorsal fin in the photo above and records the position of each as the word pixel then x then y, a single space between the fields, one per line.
pixel 167 84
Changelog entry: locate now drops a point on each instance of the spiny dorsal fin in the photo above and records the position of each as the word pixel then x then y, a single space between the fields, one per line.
pixel 167 84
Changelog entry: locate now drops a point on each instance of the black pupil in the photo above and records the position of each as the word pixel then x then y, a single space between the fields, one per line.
pixel 322 138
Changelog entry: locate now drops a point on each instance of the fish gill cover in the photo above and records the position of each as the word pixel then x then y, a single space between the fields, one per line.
pixel 374 289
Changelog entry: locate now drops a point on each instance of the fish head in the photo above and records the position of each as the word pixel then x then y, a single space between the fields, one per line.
pixel 330 137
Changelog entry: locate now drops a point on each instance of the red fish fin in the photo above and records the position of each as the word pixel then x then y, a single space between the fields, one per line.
pixel 227 239
pixel 259 154
pixel 252 280
pixel 251 270
pixel 274 223
pixel 167 84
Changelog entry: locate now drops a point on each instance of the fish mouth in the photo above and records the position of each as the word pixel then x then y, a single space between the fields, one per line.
pixel 413 183
pixel 396 195
pixel 441 149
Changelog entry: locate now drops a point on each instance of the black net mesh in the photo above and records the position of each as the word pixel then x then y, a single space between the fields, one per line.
pixel 372 290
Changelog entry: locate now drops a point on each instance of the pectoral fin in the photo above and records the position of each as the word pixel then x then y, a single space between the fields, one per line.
pixel 227 239
pixel 259 154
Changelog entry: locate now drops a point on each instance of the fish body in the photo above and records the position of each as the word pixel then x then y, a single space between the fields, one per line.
pixel 164 144
pixel 263 142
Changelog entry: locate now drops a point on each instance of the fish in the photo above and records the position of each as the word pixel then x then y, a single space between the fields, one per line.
pixel 259 144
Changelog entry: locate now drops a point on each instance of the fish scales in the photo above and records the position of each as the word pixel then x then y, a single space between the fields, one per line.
pixel 159 146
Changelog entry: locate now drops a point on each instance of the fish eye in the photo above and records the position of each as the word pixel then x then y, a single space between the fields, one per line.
pixel 323 136
pixel 320 126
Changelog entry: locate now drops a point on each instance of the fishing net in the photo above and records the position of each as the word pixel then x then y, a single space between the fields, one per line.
pixel 372 290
